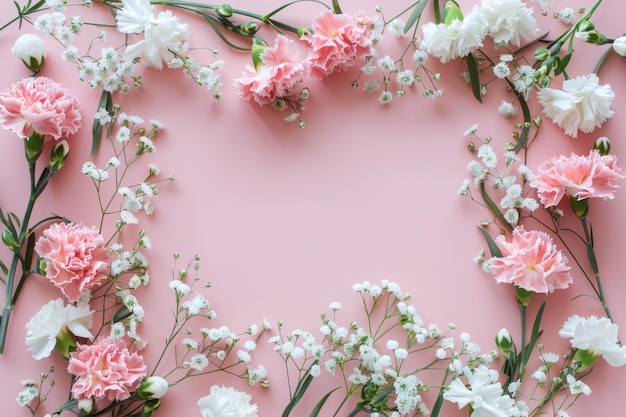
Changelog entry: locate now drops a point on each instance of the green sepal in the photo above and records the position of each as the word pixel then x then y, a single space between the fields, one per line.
pixel 585 358
pixel 258 47
pixel 33 145
pixel 451 12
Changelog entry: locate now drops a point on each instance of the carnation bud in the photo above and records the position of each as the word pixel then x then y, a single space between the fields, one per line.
pixel 619 46
pixel 224 11
pixel 31 49
pixel 504 342
pixel 9 240
pixel 58 155
pixel 152 388
pixel 250 28
pixel 602 145
pixel 85 406
pixel 150 407
pixel 542 54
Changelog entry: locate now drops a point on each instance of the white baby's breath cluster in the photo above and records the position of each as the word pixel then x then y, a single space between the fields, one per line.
pixel 512 179
pixel 208 349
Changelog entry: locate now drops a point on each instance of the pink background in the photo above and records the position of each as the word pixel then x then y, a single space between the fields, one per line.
pixel 286 220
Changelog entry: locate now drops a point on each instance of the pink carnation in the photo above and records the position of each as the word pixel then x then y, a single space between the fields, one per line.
pixel 39 105
pixel 338 42
pixel 276 77
pixel 531 261
pixel 577 176
pixel 106 369
pixel 75 257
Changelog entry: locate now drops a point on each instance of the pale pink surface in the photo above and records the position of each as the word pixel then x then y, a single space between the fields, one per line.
pixel 105 369
pixel 286 219
pixel 338 42
pixel 39 105
pixel 532 261
pixel 579 176
pixel 75 256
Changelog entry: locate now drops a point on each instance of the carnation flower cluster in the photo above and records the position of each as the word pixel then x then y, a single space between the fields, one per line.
pixel 385 361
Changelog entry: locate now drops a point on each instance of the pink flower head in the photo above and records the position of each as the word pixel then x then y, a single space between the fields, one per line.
pixel 531 261
pixel 338 42
pixel 75 257
pixel 39 105
pixel 276 77
pixel 577 176
pixel 106 369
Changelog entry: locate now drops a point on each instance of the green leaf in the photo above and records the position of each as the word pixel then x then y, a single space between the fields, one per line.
pixel 438 404
pixel 493 207
pixel 320 404
pixel 66 407
pixel 562 64
pixel 415 15
pixel 527 119
pixel 336 7
pixel 493 248
pixel 105 102
pixel 534 335
pixel 303 385
pixel 472 69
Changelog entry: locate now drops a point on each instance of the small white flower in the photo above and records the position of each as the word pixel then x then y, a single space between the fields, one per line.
pixel 199 361
pixel 507 109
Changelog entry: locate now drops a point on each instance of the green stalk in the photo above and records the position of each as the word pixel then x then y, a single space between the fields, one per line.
pixel 10 298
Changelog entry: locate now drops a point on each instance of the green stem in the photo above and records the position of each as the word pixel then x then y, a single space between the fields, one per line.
pixel 10 298
pixel 523 353
pixel 591 256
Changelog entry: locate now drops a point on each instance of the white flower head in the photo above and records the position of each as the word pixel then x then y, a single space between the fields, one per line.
pixel 597 335
pixel 583 104
pixel 509 21
pixel 51 320
pixel 225 402
pixel 457 39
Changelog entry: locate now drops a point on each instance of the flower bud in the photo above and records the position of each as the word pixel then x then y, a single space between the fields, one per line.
pixel 152 388
pixel 150 407
pixel 542 54
pixel 31 49
pixel 58 155
pixel 250 28
pixel 85 406
pixel 9 240
pixel 619 46
pixel 224 11
pixel 504 342
pixel 602 145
